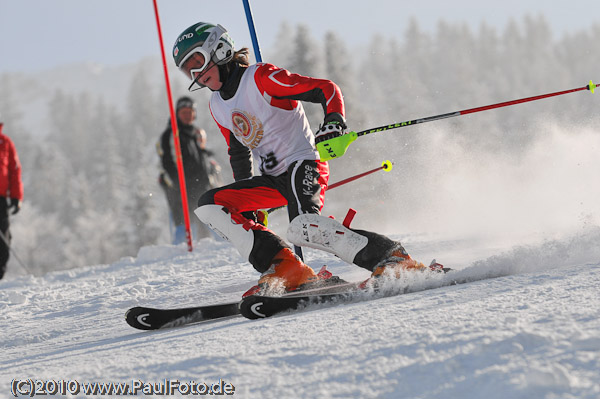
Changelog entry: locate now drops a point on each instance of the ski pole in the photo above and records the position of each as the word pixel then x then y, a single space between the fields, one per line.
pixel 385 166
pixel 336 147
pixel 14 253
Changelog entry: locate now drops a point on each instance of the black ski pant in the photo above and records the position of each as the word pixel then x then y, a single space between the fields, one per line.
pixel 173 195
pixel 301 188
pixel 4 245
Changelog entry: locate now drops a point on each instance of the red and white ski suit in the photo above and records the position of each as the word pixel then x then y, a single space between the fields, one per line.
pixel 265 117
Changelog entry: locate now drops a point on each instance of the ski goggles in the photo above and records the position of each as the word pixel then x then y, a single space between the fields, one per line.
pixel 195 73
pixel 191 72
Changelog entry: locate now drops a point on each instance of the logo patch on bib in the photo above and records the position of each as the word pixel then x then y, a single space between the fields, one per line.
pixel 247 128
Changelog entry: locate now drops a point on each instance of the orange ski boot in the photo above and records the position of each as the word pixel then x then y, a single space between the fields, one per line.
pixel 397 262
pixel 393 266
pixel 287 273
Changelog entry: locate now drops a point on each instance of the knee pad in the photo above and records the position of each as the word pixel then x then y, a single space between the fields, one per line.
pixel 320 232
pixel 218 218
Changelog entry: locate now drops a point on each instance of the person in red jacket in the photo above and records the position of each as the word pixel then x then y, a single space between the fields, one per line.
pixel 259 112
pixel 11 193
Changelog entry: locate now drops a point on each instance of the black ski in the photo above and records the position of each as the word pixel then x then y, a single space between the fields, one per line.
pixel 261 306
pixel 144 318
pixel 258 306
pixel 335 291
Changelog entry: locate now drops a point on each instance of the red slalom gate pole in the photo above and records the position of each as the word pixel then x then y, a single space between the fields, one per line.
pixel 183 190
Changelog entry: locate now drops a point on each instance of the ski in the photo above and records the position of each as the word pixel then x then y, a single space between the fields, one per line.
pixel 144 318
pixel 259 306
pixel 336 291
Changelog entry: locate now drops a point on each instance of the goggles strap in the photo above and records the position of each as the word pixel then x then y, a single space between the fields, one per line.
pixel 198 76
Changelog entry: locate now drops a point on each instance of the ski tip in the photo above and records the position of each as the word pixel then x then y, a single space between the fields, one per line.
pixel 591 86
pixel 250 307
pixel 137 317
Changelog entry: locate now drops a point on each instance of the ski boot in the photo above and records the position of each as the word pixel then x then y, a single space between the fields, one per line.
pixel 396 264
pixel 288 273
pixel 179 235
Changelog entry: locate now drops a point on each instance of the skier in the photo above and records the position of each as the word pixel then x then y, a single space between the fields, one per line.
pixel 257 108
pixel 11 193
pixel 201 171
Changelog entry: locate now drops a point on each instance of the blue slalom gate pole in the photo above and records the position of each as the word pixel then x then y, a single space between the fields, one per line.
pixel 252 30
pixel 258 56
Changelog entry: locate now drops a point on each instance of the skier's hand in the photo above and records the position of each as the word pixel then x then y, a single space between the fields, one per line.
pixel 15 204
pixel 258 216
pixel 262 217
pixel 165 181
pixel 333 126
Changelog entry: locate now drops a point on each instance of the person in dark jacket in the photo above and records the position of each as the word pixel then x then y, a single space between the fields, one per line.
pixel 201 171
pixel 11 194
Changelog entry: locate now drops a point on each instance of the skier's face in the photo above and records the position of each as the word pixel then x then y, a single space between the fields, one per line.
pixel 186 115
pixel 207 77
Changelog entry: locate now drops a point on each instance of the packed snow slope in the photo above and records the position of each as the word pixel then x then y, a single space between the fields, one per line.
pixel 528 326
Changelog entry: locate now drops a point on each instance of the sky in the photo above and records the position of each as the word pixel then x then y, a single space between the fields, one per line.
pixel 38 34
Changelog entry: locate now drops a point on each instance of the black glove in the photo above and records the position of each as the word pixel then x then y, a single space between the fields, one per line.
pixel 164 180
pixel 15 204
pixel 334 125
pixel 259 216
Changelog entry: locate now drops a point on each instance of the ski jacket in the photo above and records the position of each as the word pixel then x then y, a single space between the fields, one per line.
pixel 265 117
pixel 11 185
pixel 201 171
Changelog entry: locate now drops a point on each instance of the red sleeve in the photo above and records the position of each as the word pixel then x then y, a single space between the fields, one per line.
pixel 283 89
pixel 14 173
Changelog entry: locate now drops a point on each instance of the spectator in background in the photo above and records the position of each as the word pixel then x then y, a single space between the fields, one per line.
pixel 11 194
pixel 202 172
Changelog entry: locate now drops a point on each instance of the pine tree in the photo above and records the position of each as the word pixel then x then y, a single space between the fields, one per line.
pixel 305 61
pixel 283 50
pixel 69 124
pixel 338 68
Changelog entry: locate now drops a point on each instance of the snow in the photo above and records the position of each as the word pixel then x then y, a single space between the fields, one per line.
pixel 528 326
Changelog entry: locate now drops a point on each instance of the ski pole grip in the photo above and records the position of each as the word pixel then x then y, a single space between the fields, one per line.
pixel 335 147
